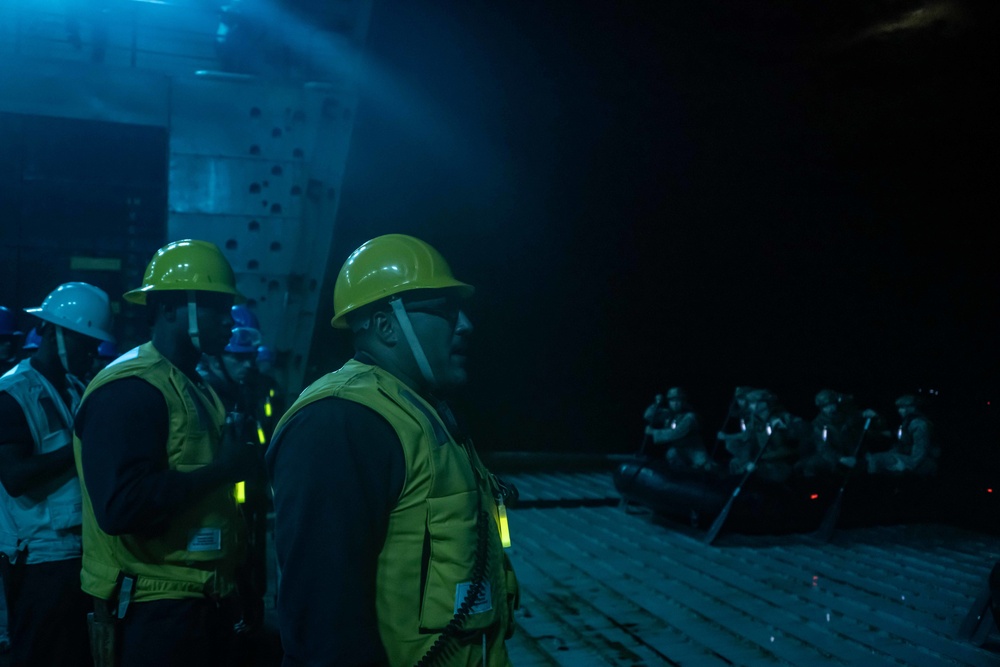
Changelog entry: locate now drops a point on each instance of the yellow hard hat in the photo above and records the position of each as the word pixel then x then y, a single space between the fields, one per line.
pixel 187 265
pixel 389 265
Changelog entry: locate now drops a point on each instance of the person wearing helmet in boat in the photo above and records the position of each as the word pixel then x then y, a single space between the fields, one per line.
pixel 681 434
pixel 733 434
pixel 389 530
pixel 776 431
pixel 913 451
pixel 835 432
pixel 40 495
pixel 657 414
pixel 158 459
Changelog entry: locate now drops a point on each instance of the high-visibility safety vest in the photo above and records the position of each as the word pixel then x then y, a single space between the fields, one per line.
pixel 196 552
pixel 446 496
pixel 48 526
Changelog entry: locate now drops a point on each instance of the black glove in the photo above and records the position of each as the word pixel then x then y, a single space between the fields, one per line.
pixel 237 452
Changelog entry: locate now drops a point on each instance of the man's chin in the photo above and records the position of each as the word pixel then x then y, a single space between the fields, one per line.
pixel 455 379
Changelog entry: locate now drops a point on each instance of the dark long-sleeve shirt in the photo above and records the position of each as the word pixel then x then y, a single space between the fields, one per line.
pixel 337 469
pixel 21 470
pixel 123 428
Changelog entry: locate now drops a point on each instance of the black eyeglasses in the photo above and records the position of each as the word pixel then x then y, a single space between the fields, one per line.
pixel 448 310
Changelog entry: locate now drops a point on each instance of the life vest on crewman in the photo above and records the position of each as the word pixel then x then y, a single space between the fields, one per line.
pixel 915 426
pixel 46 525
pixel 447 494
pixel 196 552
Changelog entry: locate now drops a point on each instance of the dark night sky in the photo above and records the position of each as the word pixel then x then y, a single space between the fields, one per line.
pixel 702 193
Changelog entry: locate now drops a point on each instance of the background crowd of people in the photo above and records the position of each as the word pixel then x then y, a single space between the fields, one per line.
pixel 65 416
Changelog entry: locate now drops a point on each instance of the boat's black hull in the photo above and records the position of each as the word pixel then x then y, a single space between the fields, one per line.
pixel 763 507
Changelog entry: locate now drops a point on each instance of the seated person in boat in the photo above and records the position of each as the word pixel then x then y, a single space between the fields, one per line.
pixel 913 451
pixel 657 414
pixel 776 431
pixel 681 434
pixel 835 432
pixel 734 429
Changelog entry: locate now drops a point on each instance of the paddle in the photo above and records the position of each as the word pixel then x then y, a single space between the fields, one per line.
pixel 729 415
pixel 825 530
pixel 657 401
pixel 713 532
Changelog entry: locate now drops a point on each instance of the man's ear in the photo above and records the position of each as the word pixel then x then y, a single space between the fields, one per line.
pixel 384 327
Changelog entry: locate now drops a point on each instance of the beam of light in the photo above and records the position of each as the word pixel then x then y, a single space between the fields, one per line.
pixel 329 56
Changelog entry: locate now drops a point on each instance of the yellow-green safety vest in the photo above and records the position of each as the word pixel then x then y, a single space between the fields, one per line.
pixel 446 493
pixel 196 552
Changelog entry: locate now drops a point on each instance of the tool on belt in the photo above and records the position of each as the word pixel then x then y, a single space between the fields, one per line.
pixel 103 621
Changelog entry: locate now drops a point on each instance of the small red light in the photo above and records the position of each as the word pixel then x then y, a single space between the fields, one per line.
pixel 989 490
pixel 814 496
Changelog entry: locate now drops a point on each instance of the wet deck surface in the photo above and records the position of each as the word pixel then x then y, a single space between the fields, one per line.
pixel 605 586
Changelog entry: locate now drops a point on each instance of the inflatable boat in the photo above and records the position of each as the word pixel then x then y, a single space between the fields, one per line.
pixel 760 507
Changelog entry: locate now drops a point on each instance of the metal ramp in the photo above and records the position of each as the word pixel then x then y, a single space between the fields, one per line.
pixel 561 489
pixel 604 587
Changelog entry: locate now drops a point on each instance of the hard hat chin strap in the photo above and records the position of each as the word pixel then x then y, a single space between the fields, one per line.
pixel 411 338
pixel 61 349
pixel 192 308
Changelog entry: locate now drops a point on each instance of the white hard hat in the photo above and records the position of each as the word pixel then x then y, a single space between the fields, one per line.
pixel 78 307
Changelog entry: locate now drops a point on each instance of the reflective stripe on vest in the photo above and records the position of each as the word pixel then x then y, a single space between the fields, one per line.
pixel 46 524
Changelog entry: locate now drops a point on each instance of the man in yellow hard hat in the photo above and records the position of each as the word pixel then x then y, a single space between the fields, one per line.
pixel 158 459
pixel 40 515
pixel 387 524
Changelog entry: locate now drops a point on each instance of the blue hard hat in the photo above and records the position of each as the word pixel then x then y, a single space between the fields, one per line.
pixel 244 340
pixel 32 341
pixel 8 327
pixel 244 317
